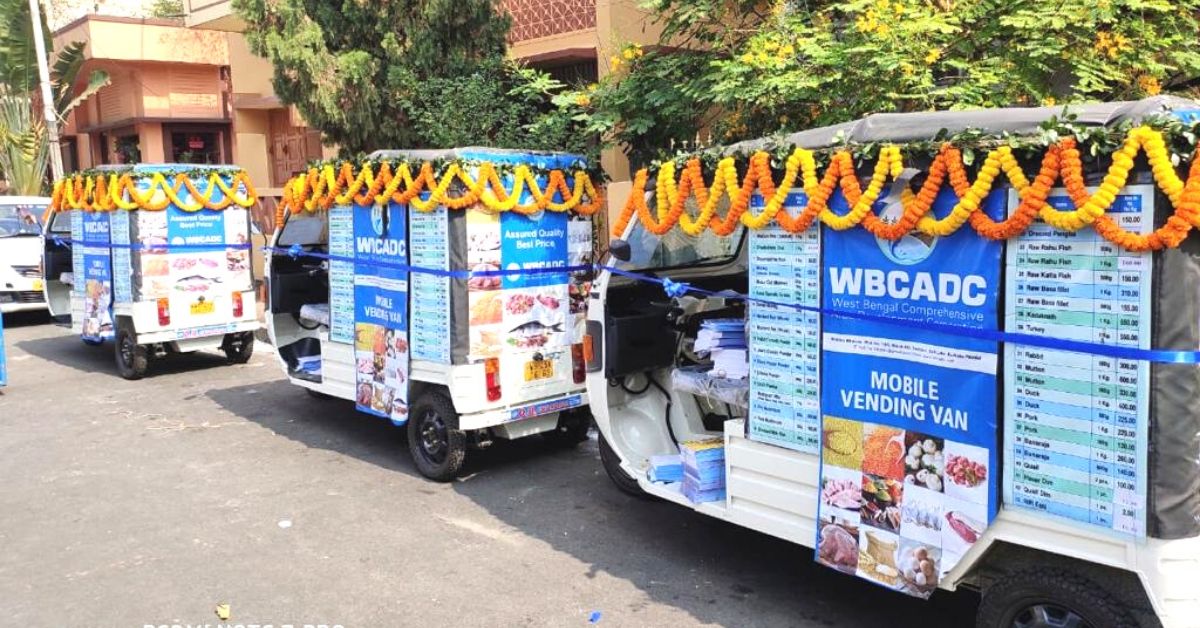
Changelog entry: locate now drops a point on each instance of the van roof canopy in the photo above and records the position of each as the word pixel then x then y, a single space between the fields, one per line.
pixel 899 128
pixel 539 159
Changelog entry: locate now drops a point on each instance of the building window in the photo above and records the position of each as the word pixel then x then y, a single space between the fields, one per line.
pixel 128 149
pixel 195 148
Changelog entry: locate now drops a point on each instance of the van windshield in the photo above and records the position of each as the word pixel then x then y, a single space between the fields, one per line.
pixel 677 249
pixel 20 220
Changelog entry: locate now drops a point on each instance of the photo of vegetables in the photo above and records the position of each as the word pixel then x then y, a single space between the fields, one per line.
pixel 924 461
pixel 881 502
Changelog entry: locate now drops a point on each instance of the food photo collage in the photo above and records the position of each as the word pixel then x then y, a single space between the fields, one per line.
pixel 897 507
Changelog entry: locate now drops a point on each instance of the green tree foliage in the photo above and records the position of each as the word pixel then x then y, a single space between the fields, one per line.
pixel 405 73
pixel 749 69
pixel 168 9
pixel 24 151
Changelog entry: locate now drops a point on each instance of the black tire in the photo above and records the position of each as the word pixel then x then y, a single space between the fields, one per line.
pixel 612 466
pixel 437 446
pixel 572 429
pixel 1050 598
pixel 133 360
pixel 239 347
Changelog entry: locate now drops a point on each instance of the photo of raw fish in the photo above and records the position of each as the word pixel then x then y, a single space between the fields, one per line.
pixel 533 334
pixel 195 283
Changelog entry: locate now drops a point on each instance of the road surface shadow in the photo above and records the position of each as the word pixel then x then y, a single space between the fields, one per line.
pixel 13 320
pixel 335 425
pixel 563 498
pixel 69 351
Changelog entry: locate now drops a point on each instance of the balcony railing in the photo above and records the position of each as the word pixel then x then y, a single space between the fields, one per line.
pixel 542 18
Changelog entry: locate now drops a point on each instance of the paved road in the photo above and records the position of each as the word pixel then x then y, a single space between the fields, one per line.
pixel 134 503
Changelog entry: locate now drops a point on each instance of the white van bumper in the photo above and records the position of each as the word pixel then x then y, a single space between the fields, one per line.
pixel 22 301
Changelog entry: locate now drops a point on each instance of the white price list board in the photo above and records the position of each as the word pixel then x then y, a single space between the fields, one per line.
pixel 1076 426
pixel 119 230
pixel 341 274
pixel 785 343
pixel 429 248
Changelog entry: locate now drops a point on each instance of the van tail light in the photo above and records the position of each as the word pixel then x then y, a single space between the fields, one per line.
pixel 491 367
pixel 238 308
pixel 164 312
pixel 578 365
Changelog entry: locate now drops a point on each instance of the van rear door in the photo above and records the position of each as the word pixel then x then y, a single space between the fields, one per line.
pixel 58 266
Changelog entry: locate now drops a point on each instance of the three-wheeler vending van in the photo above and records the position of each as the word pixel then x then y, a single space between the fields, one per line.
pixel 931 411
pixel 403 310
pixel 155 259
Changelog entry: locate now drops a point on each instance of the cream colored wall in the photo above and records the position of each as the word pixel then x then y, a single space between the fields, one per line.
pixel 169 91
pixel 554 43
pixel 125 41
pixel 251 144
pixel 83 143
pixel 249 73
pixel 150 140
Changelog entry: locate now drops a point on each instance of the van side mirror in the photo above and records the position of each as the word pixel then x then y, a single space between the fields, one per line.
pixel 620 249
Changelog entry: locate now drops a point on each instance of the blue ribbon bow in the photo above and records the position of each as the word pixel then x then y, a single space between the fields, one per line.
pixel 675 289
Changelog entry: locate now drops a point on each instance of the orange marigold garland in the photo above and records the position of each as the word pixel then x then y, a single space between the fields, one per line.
pixel 1061 160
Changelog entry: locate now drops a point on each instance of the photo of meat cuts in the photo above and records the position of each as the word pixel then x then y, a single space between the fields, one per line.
pixel 837 545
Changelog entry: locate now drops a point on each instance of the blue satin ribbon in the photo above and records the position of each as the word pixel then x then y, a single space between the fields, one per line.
pixel 155 248
pixel 295 251
pixel 1158 356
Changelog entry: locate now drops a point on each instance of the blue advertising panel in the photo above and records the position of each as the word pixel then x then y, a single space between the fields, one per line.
pixel 97 276
pixel 527 244
pixel 381 311
pixel 909 457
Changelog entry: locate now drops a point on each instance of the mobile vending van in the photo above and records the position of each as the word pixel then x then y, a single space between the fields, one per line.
pixel 21 253
pixel 924 406
pixel 155 258
pixel 387 290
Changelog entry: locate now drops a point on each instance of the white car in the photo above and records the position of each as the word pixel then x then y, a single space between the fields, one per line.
pixel 21 253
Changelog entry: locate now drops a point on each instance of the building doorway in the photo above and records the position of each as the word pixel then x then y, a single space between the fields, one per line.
pixel 196 144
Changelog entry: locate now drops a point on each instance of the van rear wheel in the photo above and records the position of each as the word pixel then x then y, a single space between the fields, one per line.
pixel 437 446
pixel 1050 598
pixel 572 429
pixel 133 360
pixel 612 466
pixel 239 347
